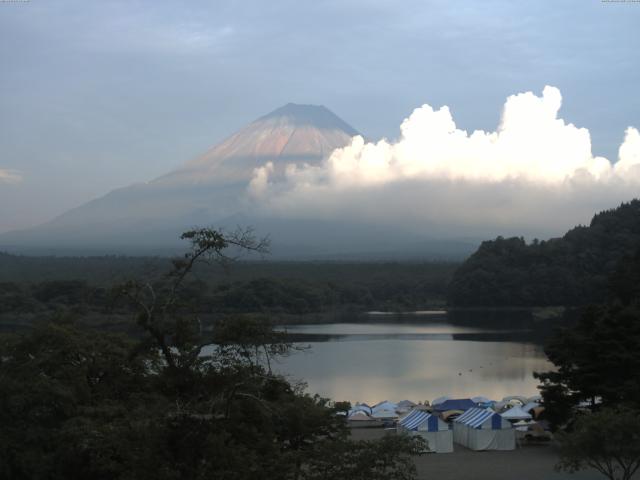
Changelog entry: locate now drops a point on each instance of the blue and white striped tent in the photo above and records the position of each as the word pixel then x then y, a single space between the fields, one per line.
pixel 483 429
pixel 476 417
pixel 419 419
pixel 437 433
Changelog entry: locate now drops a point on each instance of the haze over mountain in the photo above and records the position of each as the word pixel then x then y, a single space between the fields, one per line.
pixel 305 177
pixel 290 134
pixel 212 190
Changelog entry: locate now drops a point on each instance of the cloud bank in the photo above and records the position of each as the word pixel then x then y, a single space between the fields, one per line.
pixel 9 176
pixel 535 174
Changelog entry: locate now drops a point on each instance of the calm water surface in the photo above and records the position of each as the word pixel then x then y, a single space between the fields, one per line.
pixel 420 359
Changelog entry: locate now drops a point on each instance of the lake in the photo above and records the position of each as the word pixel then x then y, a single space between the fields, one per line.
pixel 418 357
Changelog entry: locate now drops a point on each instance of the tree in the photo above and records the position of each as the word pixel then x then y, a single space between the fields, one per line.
pixel 571 270
pixel 608 441
pixel 593 361
pixel 342 407
pixel 162 313
pixel 593 358
pixel 166 405
pixel 63 391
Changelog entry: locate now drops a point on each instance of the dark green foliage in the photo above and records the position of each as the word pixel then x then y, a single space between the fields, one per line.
pixel 597 359
pixel 14 298
pixel 78 404
pixel 272 295
pixel 280 288
pixel 570 271
pixel 57 383
pixel 625 281
pixel 51 295
pixel 608 441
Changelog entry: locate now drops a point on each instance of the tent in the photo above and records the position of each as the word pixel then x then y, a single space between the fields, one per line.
pixel 480 399
pixel 384 414
pixel 514 399
pixel 405 405
pixel 437 434
pixel 483 429
pixel 501 406
pixel 450 414
pixel 384 405
pixel 530 406
pixel 516 413
pixel 384 409
pixel 361 407
pixel 360 419
pixel 455 404
pixel 358 416
pixel 422 407
pixel 440 400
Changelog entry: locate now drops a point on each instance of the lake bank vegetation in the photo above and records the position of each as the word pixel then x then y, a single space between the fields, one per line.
pixel 76 403
pixel 592 397
pixel 32 289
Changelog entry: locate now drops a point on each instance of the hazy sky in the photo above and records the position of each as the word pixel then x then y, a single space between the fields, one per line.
pixel 98 95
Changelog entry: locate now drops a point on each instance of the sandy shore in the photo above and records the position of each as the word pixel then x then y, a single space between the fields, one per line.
pixel 530 462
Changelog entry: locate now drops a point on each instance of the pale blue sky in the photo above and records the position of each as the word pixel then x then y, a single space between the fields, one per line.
pixel 98 95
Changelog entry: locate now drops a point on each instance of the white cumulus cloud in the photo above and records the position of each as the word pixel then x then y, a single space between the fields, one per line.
pixel 535 171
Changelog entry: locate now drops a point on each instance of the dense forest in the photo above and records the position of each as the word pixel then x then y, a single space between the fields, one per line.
pixel 32 288
pixel 76 403
pixel 592 395
pixel 571 270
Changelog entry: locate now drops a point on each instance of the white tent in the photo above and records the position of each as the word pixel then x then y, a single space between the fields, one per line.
pixel 480 399
pixel 440 400
pixel 500 406
pixel 360 419
pixel 405 406
pixel 514 399
pixel 384 409
pixel 406 403
pixel 361 407
pixel 436 433
pixel 358 415
pixel 516 413
pixel 530 406
pixel 483 429
pixel 384 405
pixel 385 413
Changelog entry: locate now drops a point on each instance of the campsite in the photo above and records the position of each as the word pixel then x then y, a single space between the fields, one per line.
pixel 469 438
pixel 476 423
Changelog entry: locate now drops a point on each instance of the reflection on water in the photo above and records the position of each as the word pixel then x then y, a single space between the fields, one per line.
pixel 381 328
pixel 371 362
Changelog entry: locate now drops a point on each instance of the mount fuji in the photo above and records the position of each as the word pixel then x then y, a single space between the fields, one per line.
pixel 210 190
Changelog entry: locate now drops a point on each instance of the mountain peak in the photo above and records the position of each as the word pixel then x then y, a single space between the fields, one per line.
pixel 317 116
pixel 293 133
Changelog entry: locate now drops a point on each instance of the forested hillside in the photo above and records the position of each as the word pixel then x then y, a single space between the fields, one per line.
pixel 33 288
pixel 571 270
